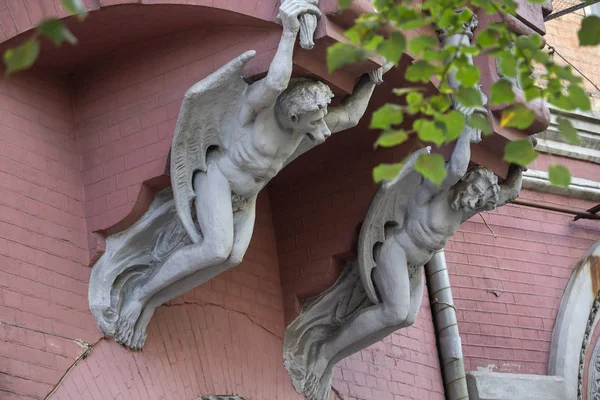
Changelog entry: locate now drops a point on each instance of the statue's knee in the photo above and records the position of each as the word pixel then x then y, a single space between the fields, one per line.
pixel 236 256
pixel 410 318
pixel 219 250
pixel 395 314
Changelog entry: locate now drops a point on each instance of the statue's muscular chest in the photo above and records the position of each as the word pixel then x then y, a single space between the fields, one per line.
pixel 261 148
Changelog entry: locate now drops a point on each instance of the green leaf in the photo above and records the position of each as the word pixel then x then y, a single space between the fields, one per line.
pixel 568 131
pixel 481 123
pixel 386 172
pixel 432 167
pixel 519 117
pixel 428 132
pixel 469 97
pixel 589 34
pixel 408 18
pixel 440 103
pixel 76 7
pixel 532 42
pixel 392 138
pixel 406 90
pixel 341 54
pixel 56 31
pixel 393 48
pixel 533 93
pixel 386 116
pixel 468 75
pixel 502 92
pixel 419 43
pixel 540 56
pixel 22 57
pixel 447 18
pixel 520 152
pixel 487 38
pixel 578 97
pixel 454 121
pixel 507 63
pixel 421 71
pixel 559 175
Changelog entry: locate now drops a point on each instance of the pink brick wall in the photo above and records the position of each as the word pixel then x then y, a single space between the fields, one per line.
pixel 73 156
pixel 508 288
pixel 43 252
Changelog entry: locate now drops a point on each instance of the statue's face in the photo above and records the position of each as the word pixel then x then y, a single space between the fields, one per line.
pixel 476 195
pixel 311 123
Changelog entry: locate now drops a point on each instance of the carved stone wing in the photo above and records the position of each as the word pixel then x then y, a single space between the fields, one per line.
pixel 204 112
pixel 387 207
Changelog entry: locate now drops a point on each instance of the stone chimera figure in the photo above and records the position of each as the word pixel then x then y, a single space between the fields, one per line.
pixel 231 139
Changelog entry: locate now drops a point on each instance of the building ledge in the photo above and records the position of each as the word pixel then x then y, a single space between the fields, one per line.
pixel 503 386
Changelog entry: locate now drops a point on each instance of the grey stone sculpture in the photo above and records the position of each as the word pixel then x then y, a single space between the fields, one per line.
pixel 231 138
pixel 308 25
pixel 409 219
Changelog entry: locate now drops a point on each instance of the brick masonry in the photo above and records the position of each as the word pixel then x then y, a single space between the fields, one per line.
pixel 73 155
pixel 561 33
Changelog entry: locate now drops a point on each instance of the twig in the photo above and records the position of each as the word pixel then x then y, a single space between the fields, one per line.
pixel 88 349
pixel 337 393
pixel 436 301
pixel 486 224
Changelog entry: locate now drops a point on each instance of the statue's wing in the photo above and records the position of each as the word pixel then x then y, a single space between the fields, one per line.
pixel 205 110
pixel 387 209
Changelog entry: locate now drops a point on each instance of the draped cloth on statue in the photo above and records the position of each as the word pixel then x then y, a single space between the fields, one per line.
pixel 321 316
pixel 134 254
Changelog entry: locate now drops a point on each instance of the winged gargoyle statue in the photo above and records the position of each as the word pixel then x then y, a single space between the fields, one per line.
pixel 231 138
pixel 409 219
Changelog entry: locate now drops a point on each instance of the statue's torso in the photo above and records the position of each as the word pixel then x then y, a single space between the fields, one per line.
pixel 427 229
pixel 256 153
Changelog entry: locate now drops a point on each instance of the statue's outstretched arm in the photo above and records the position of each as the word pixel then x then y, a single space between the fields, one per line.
pixel 350 111
pixel 263 93
pixel 352 108
pixel 510 188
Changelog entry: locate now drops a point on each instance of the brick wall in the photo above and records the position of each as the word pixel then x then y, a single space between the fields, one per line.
pixel 561 33
pixel 43 252
pixel 508 288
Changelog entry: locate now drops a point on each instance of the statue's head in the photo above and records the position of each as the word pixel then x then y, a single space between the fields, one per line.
pixel 477 191
pixel 302 107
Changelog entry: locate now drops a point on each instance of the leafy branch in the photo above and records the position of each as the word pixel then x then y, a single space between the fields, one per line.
pixel 382 33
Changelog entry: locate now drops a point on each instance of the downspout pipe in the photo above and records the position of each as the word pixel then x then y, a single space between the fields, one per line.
pixel 446 328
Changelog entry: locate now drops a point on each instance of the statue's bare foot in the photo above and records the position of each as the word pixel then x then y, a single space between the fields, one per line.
pixel 139 333
pixel 128 317
pixel 313 387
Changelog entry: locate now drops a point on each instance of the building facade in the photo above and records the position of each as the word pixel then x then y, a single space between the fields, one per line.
pixel 84 146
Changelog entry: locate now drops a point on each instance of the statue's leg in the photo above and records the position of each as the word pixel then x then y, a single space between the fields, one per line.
pixel 243 226
pixel 373 323
pixel 215 217
pixel 417 283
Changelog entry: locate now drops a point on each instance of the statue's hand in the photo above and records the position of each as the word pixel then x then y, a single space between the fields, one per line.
pixel 290 10
pixel 475 135
pixel 377 76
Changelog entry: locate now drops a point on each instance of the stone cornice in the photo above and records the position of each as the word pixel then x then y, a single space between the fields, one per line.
pixel 588 126
pixel 579 188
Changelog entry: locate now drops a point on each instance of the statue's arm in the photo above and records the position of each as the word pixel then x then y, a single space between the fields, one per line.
pixel 510 188
pixel 456 168
pixel 264 93
pixel 352 108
